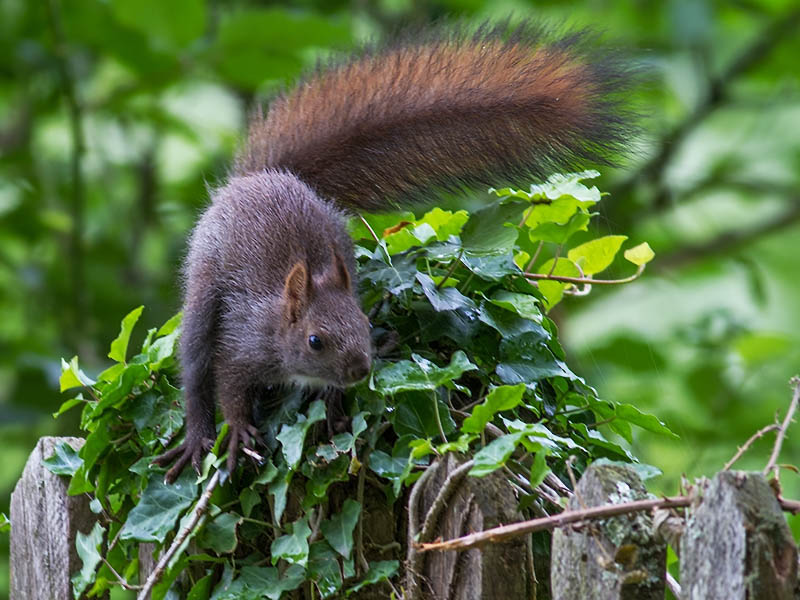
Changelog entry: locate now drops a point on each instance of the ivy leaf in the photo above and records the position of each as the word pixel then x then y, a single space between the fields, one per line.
pixel 339 529
pixel 524 305
pixel 323 567
pixel 219 534
pixel 119 347
pixel 501 398
pixel 525 359
pixel 495 454
pixel 633 415
pixel 292 437
pixel 553 291
pixel 539 468
pixel 378 571
pixel 640 255
pixel 88 547
pixel 415 415
pixel 491 230
pixel 293 547
pixel 5 524
pixel 595 255
pixel 64 461
pixel 419 374
pixel 159 507
pixel 446 298
pixel 72 376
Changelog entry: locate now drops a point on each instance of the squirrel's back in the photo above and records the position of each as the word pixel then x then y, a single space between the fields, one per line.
pixel 447 110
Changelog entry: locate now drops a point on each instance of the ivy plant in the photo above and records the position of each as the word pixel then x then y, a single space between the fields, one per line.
pixel 467 361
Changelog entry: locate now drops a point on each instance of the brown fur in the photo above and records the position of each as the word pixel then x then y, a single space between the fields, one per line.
pixel 454 110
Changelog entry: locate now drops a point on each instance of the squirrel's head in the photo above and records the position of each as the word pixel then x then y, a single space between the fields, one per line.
pixel 325 334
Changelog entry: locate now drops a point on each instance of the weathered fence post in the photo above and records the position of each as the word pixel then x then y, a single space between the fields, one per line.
pixel 44 524
pixel 493 571
pixel 737 544
pixel 609 559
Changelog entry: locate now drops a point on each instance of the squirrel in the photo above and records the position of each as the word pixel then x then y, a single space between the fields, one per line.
pixel 269 276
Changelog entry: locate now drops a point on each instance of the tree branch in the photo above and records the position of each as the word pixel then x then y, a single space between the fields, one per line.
pixel 776 449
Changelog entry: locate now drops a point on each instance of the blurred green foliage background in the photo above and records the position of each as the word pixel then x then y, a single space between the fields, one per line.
pixel 116 114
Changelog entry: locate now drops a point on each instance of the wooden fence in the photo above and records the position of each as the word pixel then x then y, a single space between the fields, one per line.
pixel 733 545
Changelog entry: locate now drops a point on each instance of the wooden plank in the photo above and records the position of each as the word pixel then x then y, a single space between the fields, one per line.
pixel 609 559
pixel 737 544
pixel 44 524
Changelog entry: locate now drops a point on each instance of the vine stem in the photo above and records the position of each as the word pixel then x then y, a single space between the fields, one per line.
pixel 585 280
pixel 199 510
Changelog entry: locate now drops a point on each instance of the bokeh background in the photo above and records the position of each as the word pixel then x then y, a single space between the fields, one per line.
pixel 116 114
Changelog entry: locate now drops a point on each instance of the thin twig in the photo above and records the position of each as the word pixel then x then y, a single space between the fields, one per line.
pixel 744 447
pixel 674 587
pixel 507 532
pixel 414 558
pixel 442 498
pixel 120 580
pixel 776 449
pixel 199 510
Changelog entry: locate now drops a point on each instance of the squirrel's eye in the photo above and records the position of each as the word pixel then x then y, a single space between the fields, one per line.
pixel 315 342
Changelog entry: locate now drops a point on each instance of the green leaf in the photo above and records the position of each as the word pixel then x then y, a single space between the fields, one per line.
pixel 526 359
pixel 119 347
pixel 292 437
pixel 492 230
pixel 633 415
pixel 88 547
pixel 595 255
pixel 202 589
pixel 219 534
pixel 64 461
pixel 419 374
pixel 378 571
pixel 5 524
pixel 501 398
pixel 553 291
pixel 446 298
pixel 339 529
pixel 292 547
pixel 640 255
pixel 159 507
pixel 323 567
pixel 414 414
pixel 525 305
pixel 539 468
pixel 557 233
pixel 72 376
pixel 494 455
pixel 249 499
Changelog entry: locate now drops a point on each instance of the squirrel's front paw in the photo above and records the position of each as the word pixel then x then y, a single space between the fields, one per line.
pixel 191 450
pixel 248 436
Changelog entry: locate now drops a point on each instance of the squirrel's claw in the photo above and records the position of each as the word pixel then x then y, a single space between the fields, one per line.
pixel 249 436
pixel 183 454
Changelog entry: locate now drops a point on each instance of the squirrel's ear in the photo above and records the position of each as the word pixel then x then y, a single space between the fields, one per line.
pixel 339 275
pixel 296 292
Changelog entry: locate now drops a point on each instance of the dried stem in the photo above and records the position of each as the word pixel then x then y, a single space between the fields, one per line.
pixel 199 510
pixel 776 449
pixel 743 448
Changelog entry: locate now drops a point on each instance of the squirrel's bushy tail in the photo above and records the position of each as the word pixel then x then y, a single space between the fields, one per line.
pixel 454 109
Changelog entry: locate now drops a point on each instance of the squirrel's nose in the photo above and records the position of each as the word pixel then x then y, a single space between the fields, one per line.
pixel 357 367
